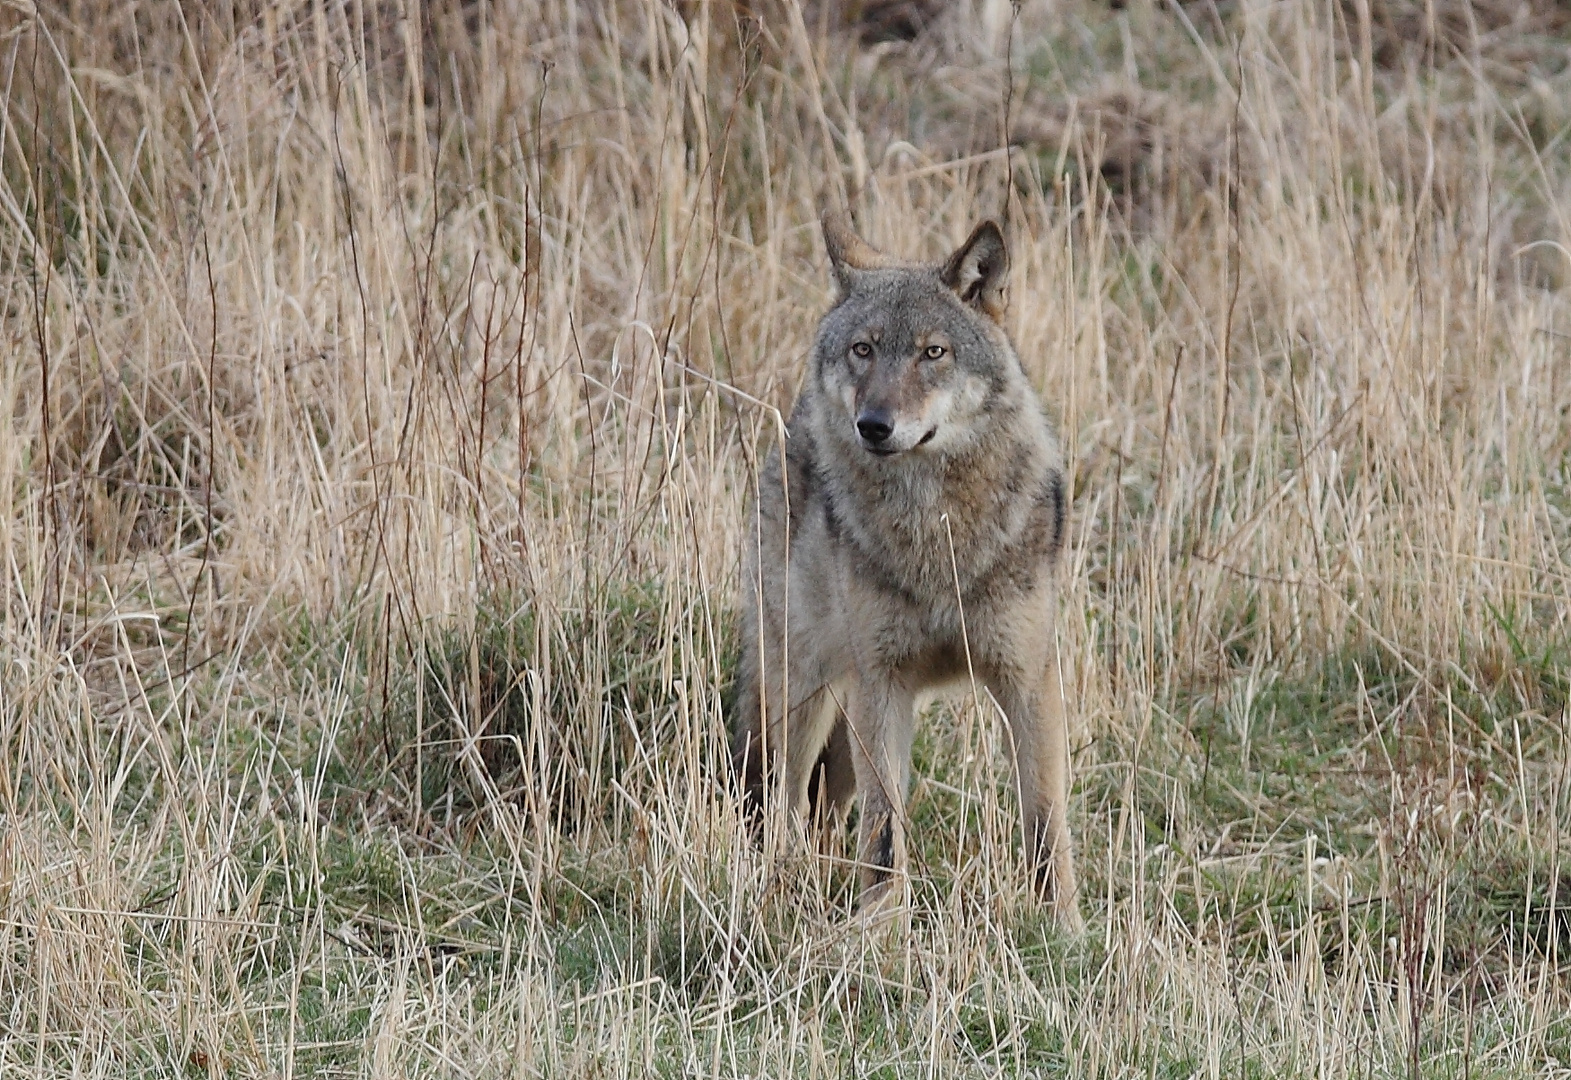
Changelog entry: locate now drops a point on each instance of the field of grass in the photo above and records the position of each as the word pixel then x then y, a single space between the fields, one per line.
pixel 385 385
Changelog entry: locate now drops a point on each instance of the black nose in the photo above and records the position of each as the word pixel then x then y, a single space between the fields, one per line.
pixel 874 428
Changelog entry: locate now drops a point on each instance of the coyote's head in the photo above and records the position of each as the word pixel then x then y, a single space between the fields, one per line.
pixel 912 356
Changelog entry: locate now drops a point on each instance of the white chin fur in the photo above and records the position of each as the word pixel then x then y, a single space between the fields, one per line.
pixel 907 437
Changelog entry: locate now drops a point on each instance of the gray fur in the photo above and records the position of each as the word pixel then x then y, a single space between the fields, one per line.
pixel 912 480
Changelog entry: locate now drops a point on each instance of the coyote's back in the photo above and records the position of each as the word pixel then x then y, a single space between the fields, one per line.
pixel 908 540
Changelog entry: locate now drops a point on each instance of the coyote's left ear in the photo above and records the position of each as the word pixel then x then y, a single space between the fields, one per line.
pixel 848 252
pixel 979 269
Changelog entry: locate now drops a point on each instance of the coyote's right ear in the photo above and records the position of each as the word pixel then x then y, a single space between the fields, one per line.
pixel 977 271
pixel 848 252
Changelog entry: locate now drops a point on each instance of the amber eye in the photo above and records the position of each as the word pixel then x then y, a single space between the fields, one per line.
pixel 861 350
pixel 935 352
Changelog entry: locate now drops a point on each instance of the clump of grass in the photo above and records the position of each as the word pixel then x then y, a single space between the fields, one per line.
pixel 519 709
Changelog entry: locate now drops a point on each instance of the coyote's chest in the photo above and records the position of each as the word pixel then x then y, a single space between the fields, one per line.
pixel 934 534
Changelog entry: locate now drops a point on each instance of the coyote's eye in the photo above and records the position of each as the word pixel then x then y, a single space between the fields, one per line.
pixel 861 350
pixel 935 352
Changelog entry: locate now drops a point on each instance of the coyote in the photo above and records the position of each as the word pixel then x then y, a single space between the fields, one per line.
pixel 908 543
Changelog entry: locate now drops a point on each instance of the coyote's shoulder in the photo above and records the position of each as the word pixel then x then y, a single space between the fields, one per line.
pixel 912 534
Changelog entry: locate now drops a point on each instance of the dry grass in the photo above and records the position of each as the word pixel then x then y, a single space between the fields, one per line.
pixel 385 387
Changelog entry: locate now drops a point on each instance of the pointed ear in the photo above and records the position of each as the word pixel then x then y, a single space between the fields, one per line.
pixel 848 252
pixel 979 269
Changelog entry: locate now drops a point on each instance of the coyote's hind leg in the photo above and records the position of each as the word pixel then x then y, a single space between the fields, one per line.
pixel 833 783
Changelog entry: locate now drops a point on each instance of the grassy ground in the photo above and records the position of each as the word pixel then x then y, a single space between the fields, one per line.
pixel 385 387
